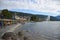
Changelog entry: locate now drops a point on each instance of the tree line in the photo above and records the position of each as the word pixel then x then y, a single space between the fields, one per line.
pixel 5 14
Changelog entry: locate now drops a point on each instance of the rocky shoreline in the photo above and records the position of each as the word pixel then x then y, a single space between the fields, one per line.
pixel 14 36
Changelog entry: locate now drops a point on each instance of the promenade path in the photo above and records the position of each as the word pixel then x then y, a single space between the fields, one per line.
pixel 10 28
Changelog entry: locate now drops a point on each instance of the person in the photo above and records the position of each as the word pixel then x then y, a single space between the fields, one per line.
pixel 0 24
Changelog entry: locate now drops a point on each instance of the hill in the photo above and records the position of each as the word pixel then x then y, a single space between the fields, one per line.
pixel 57 18
pixel 27 14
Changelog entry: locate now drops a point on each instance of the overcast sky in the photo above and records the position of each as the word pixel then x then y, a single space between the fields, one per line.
pixel 48 7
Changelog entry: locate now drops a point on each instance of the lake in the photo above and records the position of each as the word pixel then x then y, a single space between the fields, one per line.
pixel 46 30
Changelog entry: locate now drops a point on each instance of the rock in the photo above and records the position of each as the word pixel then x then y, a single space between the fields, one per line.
pixel 25 38
pixel 9 36
pixel 20 34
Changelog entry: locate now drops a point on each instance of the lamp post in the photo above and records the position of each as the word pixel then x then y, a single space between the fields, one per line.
pixel 2 17
pixel 14 17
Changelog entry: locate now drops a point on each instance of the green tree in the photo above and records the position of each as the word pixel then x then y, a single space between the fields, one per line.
pixel 6 14
pixel 34 18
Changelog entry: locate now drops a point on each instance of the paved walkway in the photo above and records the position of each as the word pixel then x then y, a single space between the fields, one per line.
pixel 10 28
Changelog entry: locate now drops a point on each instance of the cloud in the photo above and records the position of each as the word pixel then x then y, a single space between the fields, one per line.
pixel 51 6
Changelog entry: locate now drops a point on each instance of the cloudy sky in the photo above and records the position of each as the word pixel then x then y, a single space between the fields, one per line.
pixel 46 7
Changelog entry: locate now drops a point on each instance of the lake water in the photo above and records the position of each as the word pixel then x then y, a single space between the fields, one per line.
pixel 47 30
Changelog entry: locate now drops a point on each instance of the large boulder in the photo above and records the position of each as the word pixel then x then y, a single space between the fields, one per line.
pixel 9 36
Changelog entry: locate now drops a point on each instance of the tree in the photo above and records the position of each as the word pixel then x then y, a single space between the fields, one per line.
pixel 6 14
pixel 34 18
